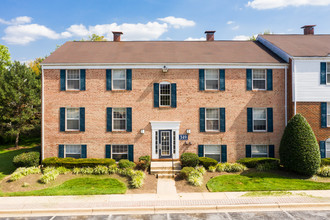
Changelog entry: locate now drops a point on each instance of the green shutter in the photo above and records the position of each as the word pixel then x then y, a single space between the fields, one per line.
pixel 62 80
pixel 223 153
pixel 269 79
pixel 222 119
pixel 222 80
pixel 62 119
pixel 109 119
pixel 248 79
pixel 156 95
pixel 247 150
pixel 323 114
pixel 202 119
pixel 82 80
pixel 201 150
pixel 323 76
pixel 129 119
pixel 130 153
pixel 322 149
pixel 83 151
pixel 201 79
pixel 82 119
pixel 61 151
pixel 108 79
pixel 269 119
pixel 249 120
pixel 128 79
pixel 173 95
pixel 108 151
pixel 271 151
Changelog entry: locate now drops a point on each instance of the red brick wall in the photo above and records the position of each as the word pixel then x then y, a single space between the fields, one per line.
pixel 189 99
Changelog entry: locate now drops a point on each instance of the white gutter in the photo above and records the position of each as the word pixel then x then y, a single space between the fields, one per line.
pixel 295 85
pixel 42 114
pixel 285 98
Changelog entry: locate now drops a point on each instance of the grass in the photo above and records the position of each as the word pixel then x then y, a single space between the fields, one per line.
pixel 79 186
pixel 262 181
pixel 6 156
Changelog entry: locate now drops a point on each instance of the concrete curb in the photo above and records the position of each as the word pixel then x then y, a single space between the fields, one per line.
pixel 166 209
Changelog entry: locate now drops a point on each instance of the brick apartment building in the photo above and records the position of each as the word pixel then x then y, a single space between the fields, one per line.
pixel 125 99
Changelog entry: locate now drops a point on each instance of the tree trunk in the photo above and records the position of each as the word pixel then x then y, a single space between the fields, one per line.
pixel 17 138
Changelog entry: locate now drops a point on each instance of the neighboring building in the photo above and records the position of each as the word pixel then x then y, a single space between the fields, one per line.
pixel 308 84
pixel 128 99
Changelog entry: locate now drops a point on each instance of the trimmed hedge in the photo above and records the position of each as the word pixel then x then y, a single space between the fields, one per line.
pixel 72 162
pixel 189 160
pixel 254 162
pixel 30 159
pixel 299 150
pixel 124 163
pixel 325 162
pixel 207 162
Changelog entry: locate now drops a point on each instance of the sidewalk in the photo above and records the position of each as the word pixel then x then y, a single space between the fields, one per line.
pixel 161 203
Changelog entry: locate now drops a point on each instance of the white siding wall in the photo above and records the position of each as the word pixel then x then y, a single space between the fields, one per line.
pixel 307 82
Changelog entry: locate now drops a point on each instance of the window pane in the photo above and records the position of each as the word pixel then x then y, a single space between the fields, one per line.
pixel 211 74
pixel 328 108
pixel 259 74
pixel 119 84
pixel 122 149
pixel 212 84
pixel 76 156
pixel 259 84
pixel 259 114
pixel 212 113
pixel 213 156
pixel 259 125
pixel 73 149
pixel 73 113
pixel 165 89
pixel 119 113
pixel 73 84
pixel 328 78
pixel 328 67
pixel 118 157
pixel 72 124
pixel 212 125
pixel 118 74
pixel 328 149
pixel 73 74
pixel 259 149
pixel 119 124
pixel 212 149
pixel 165 100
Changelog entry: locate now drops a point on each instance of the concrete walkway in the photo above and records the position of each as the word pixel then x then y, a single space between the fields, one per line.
pixel 161 203
pixel 166 186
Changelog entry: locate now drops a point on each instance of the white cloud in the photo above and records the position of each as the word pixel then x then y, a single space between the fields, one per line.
pixel 195 39
pixel 271 4
pixel 177 22
pixel 17 20
pixel 230 22
pixel 241 37
pixel 235 27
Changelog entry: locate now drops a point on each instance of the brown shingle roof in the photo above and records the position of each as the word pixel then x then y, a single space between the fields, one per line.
pixel 301 45
pixel 162 52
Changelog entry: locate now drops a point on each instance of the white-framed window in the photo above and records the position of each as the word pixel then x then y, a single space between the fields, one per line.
pixel 72 119
pixel 327 148
pixel 212 119
pixel 211 79
pixel 259 151
pixel 259 79
pixel 164 94
pixel 328 114
pixel 119 152
pixel 156 142
pixel 73 151
pixel 174 142
pixel 259 119
pixel 72 79
pixel 213 151
pixel 119 79
pixel 119 119
pixel 328 74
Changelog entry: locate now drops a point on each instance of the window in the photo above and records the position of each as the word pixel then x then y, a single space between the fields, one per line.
pixel 327 148
pixel 259 79
pixel 119 79
pixel 73 151
pixel 328 73
pixel 211 79
pixel 72 119
pixel 174 143
pixel 119 152
pixel 259 151
pixel 119 119
pixel 156 142
pixel 259 119
pixel 328 114
pixel 165 94
pixel 212 119
pixel 213 151
pixel 72 79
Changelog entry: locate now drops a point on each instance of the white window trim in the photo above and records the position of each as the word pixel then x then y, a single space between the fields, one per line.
pixel 327 142
pixel 328 114
pixel 327 74
pixel 166 83
pixel 66 120
pixel 212 79
pixel 113 120
pixel 71 145
pixel 259 119
pixel 214 154
pixel 112 78
pixel 66 80
pixel 118 153
pixel 207 130
pixel 265 70
pixel 267 148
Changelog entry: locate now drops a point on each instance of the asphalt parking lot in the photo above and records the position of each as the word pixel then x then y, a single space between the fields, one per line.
pixel 310 215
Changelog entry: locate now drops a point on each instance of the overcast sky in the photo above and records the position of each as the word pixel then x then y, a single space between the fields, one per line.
pixel 33 28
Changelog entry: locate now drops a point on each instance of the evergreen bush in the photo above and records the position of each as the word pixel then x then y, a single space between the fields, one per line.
pixel 206 162
pixel 189 160
pixel 30 159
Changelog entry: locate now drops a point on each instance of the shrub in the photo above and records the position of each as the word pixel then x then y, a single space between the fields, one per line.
pixel 16 176
pixel 30 159
pixel 137 181
pixel 87 170
pixel 253 162
pixel 144 162
pixel 220 167
pixel 100 170
pixel 324 171
pixel 325 162
pixel 25 184
pixel 195 172
pixel 184 172
pixel 230 167
pixel 24 171
pixel 49 176
pixel 113 169
pixel 201 169
pixel 195 180
pixel 299 150
pixel 62 170
pixel 206 162
pixel 189 160
pixel 123 163
pixel 76 170
pixel 212 169
pixel 267 166
pixel 72 162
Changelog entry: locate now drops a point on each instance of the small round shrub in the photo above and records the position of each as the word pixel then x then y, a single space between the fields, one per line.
pixel 113 169
pixel 87 170
pixel 201 169
pixel 324 171
pixel 144 163
pixel 123 163
pixel 189 160
pixel 212 169
pixel 63 170
pixel 195 180
pixel 299 150
pixel 206 162
pixel 137 181
pixel 220 167
pixel 100 170
pixel 49 176
pixel 76 170
pixel 30 159
pixel 184 172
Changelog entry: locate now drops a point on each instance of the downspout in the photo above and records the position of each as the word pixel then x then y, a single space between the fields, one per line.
pixel 42 114
pixel 286 95
pixel 295 85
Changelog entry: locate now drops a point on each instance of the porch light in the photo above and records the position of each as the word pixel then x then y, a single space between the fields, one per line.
pixel 142 131
pixel 188 131
pixel 165 69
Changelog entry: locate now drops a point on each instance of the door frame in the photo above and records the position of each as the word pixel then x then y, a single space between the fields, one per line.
pixel 160 144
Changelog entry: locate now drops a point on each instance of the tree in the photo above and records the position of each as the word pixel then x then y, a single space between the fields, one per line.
pixel 299 150
pixel 95 37
pixel 19 100
pixel 4 57
pixel 254 37
pixel 35 65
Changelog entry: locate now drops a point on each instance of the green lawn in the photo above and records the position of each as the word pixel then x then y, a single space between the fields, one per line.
pixel 79 186
pixel 261 181
pixel 6 156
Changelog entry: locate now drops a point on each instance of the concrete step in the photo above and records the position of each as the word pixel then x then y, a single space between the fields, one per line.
pixel 164 171
pixel 165 176
pixel 162 164
pixel 166 168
